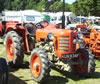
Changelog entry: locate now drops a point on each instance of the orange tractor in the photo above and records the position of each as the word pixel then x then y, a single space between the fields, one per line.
pixel 92 40
pixel 47 45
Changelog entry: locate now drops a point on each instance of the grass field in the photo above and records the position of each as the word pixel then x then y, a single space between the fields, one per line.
pixel 23 76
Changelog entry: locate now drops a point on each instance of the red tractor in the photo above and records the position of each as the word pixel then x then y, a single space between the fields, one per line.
pixel 47 45
pixel 3 71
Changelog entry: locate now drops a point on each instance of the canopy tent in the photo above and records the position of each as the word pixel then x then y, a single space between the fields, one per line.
pixel 23 16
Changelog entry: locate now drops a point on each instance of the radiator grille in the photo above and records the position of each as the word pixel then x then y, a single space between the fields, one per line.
pixel 64 44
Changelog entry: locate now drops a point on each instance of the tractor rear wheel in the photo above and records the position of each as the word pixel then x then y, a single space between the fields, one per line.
pixel 39 65
pixel 14 49
pixel 86 64
pixel 3 71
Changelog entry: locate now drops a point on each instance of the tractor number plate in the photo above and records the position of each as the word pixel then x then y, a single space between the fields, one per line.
pixel 70 56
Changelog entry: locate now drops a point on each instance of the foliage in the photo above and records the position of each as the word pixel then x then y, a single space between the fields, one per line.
pixel 2 5
pixel 86 7
pixel 18 4
pixel 57 6
pixel 30 4
pixel 41 5
pixel 8 4
pixel 79 7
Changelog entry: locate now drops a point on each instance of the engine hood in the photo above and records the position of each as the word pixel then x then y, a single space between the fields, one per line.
pixel 42 33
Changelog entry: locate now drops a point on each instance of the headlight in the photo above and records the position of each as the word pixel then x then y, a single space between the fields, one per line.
pixel 74 41
pixel 80 36
pixel 50 36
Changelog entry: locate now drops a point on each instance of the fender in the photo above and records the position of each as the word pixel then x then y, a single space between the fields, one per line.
pixel 22 32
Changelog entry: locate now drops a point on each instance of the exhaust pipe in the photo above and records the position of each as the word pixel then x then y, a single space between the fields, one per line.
pixel 63 16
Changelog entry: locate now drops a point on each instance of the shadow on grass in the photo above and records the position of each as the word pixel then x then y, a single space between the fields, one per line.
pixel 12 69
pixel 24 66
pixel 56 80
pixel 75 77
pixel 1 42
pixel 96 75
pixel 14 80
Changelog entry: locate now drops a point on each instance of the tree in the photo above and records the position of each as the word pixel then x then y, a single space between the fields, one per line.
pixel 31 4
pixel 96 8
pixel 18 4
pixel 8 4
pixel 57 6
pixel 2 5
pixel 79 7
pixel 68 7
pixel 41 6
pixel 86 7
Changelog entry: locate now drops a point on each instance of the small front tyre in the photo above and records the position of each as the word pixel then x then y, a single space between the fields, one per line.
pixel 86 61
pixel 39 65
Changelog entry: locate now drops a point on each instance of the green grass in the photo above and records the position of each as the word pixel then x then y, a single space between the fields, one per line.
pixel 23 76
pixel 0 21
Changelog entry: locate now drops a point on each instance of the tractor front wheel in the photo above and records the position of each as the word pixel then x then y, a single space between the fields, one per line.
pixel 39 65
pixel 86 64
pixel 14 49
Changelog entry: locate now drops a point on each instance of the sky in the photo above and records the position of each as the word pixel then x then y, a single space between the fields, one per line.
pixel 70 1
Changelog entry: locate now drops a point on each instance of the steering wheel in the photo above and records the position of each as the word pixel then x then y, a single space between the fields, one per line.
pixel 41 24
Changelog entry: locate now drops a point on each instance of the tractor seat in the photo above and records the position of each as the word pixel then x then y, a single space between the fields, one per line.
pixel 30 29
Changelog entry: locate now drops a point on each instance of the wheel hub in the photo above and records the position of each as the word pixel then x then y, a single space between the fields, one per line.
pixel 11 48
pixel 35 65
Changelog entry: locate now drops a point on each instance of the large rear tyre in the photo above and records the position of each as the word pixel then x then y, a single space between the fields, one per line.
pixel 14 49
pixel 87 63
pixel 39 65
pixel 3 71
